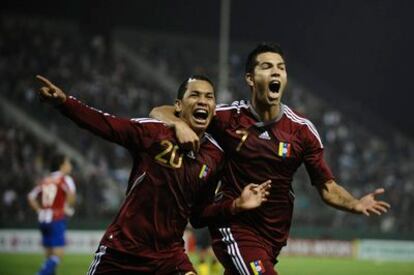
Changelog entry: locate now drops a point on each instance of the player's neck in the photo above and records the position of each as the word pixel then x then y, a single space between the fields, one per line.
pixel 199 133
pixel 266 112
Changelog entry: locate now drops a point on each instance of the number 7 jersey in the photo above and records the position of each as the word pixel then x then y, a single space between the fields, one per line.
pixel 257 151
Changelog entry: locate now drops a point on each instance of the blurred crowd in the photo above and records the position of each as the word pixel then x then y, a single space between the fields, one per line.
pixel 85 66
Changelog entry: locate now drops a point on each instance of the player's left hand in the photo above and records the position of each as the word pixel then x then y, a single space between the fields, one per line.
pixel 368 204
pixel 252 196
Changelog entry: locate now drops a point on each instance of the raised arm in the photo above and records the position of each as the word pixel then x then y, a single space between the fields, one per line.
pixel 187 138
pixel 336 196
pixel 109 127
pixel 252 196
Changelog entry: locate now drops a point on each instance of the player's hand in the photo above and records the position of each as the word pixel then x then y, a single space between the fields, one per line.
pixel 69 211
pixel 49 92
pixel 368 204
pixel 252 196
pixel 187 138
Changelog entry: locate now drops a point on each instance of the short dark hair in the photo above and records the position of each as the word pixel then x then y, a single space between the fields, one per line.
pixel 263 47
pixel 56 161
pixel 184 84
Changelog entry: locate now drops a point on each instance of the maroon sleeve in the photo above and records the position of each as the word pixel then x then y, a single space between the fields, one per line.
pixel 318 170
pixel 118 130
pixel 212 212
pixel 208 209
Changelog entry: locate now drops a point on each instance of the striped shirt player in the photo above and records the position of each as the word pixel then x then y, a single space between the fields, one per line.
pixel 53 199
pixel 164 186
pixel 256 151
pixel 51 193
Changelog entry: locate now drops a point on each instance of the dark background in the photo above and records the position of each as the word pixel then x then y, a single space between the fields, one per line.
pixel 359 51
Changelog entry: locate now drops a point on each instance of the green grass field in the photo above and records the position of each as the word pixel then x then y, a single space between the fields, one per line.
pixel 21 264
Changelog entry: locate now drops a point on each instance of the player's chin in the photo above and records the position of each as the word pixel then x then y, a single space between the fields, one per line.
pixel 272 102
pixel 200 124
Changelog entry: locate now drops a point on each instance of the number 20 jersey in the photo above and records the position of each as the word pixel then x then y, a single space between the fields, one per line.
pixel 166 184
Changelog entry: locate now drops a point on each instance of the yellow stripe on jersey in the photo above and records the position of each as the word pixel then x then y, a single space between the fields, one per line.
pixel 280 151
pixel 254 269
pixel 203 170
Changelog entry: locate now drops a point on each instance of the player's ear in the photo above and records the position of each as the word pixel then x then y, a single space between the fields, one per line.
pixel 178 106
pixel 249 79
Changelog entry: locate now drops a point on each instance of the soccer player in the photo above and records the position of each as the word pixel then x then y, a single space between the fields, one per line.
pixel 166 185
pixel 266 139
pixel 52 199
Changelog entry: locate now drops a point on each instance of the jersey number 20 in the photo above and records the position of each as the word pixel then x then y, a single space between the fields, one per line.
pixel 171 160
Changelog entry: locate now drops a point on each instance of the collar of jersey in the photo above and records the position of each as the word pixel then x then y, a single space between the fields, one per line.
pixel 261 123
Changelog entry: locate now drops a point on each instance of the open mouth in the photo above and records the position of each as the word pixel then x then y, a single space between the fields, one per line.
pixel 200 115
pixel 274 86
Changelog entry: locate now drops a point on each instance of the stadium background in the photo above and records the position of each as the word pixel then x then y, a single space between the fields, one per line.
pixel 349 66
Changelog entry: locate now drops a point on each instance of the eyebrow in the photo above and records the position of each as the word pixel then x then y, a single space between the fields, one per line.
pixel 267 62
pixel 201 92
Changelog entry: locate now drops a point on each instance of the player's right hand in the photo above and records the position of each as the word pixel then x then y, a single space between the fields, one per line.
pixel 49 92
pixel 187 138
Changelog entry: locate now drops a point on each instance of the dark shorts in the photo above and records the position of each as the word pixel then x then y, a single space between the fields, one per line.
pixel 243 258
pixel 53 233
pixel 111 262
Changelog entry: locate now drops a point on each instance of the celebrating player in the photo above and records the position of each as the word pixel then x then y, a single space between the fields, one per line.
pixel 265 139
pixel 166 184
pixel 52 199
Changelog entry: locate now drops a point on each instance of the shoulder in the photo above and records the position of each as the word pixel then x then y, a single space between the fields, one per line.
pixel 224 112
pixel 293 115
pixel 234 106
pixel 298 120
pixel 148 121
pixel 70 183
pixel 150 124
pixel 152 130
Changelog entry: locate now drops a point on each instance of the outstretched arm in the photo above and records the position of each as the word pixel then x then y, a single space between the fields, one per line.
pixel 252 196
pixel 336 196
pixel 185 135
pixel 109 127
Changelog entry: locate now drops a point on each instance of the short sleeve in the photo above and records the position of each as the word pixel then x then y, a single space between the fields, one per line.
pixel 318 170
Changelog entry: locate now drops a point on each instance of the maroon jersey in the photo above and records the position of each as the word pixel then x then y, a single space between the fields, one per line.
pixel 51 192
pixel 257 151
pixel 165 183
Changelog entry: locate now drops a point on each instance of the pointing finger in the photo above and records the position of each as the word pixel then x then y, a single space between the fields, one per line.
pixel 44 80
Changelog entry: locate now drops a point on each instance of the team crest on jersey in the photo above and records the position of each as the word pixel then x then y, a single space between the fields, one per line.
pixel 204 171
pixel 265 135
pixel 257 267
pixel 284 150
